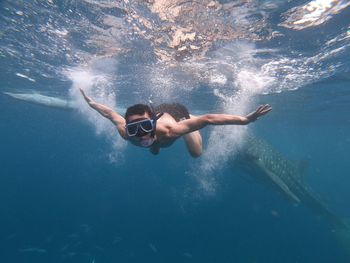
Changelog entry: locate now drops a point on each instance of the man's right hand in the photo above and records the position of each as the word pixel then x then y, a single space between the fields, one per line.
pixel 87 98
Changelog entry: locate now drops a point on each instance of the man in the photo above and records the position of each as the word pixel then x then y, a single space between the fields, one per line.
pixel 159 127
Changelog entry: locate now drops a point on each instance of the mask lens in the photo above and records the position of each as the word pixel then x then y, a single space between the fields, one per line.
pixel 147 125
pixel 131 129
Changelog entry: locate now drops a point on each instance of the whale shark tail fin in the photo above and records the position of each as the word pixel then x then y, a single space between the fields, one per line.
pixel 343 236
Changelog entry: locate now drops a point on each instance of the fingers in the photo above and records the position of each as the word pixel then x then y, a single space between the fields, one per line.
pixel 87 98
pixel 260 111
pixel 263 109
pixel 267 108
pixel 82 92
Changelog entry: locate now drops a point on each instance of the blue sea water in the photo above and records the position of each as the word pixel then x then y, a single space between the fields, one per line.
pixel 71 191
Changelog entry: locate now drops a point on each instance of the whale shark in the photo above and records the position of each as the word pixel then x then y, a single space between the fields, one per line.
pixel 39 99
pixel 258 157
pixel 269 166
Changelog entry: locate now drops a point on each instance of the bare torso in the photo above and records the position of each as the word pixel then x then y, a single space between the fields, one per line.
pixel 163 139
pixel 192 140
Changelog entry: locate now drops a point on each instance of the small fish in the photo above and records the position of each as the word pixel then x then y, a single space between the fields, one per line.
pixel 153 247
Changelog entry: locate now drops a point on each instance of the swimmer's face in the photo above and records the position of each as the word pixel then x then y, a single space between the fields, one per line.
pixel 145 140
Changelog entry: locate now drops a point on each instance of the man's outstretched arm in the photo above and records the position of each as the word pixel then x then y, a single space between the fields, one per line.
pixel 108 113
pixel 199 122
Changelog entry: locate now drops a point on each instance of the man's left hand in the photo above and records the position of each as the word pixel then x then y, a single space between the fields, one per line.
pixel 260 111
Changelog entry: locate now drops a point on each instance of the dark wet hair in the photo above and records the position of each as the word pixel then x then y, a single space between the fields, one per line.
pixel 137 109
